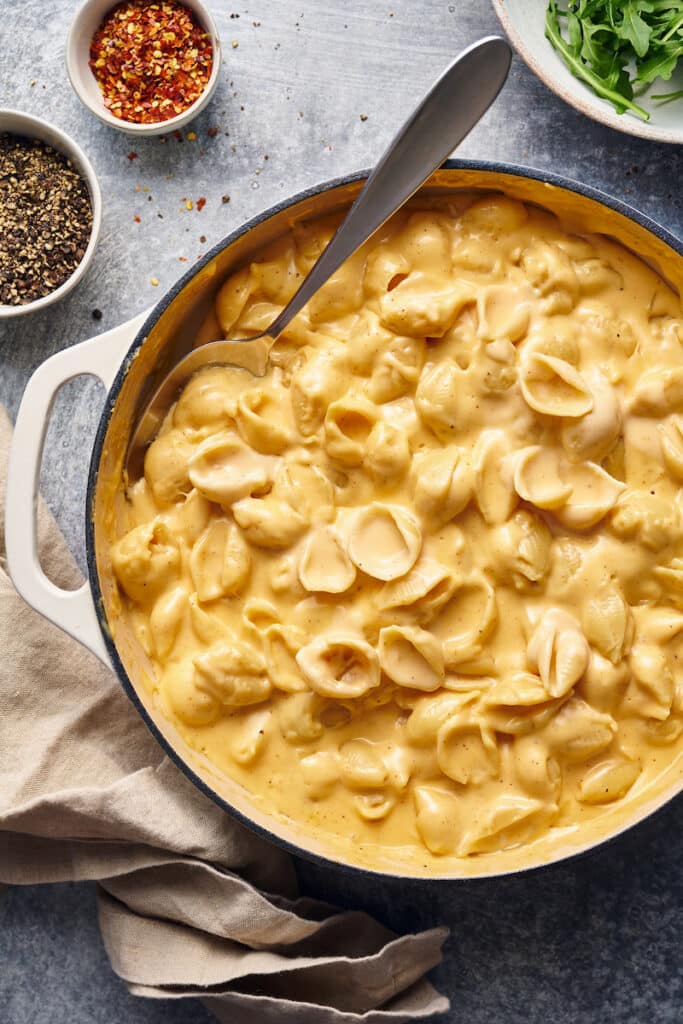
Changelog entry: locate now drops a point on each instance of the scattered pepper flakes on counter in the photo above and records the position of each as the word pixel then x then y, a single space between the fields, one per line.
pixel 235 44
pixel 212 132
pixel 151 60
pixel 225 199
pixel 201 203
pixel 202 239
pixel 363 117
pixel 136 219
pixel 183 259
pixel 177 136
pixel 132 156
pixel 45 219
pixel 97 314
pixel 189 205
pixel 154 281
pixel 191 136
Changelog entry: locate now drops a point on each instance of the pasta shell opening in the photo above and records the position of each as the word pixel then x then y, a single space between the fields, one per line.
pixel 411 657
pixel 225 470
pixel 420 594
pixel 339 665
pixel 539 479
pixel 261 420
pixel 594 494
pixel 384 541
pixel 145 560
pixel 554 387
pixel 348 424
pixel 467 620
pixel 324 566
pixel 467 751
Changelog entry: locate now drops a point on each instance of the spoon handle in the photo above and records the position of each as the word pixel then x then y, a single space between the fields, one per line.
pixel 449 111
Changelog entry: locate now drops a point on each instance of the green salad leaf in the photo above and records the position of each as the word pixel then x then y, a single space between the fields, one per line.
pixel 619 47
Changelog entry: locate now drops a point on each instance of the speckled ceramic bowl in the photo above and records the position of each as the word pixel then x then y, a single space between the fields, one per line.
pixel 17 123
pixel 524 23
pixel 83 27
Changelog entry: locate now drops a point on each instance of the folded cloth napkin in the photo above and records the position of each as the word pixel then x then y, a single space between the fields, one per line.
pixel 190 902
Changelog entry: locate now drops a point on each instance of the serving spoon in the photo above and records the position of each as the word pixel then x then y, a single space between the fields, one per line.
pixel 452 107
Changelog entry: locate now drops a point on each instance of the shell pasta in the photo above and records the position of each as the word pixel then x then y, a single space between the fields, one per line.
pixel 421 587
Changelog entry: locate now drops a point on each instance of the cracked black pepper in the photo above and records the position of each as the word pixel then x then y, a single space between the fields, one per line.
pixel 45 219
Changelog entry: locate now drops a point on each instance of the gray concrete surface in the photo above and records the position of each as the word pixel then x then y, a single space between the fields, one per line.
pixel 592 940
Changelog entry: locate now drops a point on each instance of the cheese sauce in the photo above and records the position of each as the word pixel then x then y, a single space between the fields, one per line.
pixel 421 587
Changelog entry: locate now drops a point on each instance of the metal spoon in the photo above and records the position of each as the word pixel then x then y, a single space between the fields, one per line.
pixel 451 108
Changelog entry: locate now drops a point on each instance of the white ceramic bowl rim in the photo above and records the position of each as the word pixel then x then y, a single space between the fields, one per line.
pixel 85 22
pixel 581 98
pixel 16 122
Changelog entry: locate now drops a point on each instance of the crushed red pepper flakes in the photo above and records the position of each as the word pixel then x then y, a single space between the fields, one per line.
pixel 151 60
pixel 132 156
pixel 201 203
pixel 136 219
pixel 212 132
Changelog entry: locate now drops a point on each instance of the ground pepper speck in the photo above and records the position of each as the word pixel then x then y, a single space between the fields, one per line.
pixel 45 219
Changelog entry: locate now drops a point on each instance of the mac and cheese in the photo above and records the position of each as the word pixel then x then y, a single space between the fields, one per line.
pixel 422 585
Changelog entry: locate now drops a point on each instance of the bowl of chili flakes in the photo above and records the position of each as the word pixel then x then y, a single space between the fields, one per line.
pixel 145 67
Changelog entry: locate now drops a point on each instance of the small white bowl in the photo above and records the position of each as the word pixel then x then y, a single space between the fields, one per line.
pixel 14 122
pixel 86 22
pixel 524 23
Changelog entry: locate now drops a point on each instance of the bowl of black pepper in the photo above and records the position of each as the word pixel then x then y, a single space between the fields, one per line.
pixel 50 213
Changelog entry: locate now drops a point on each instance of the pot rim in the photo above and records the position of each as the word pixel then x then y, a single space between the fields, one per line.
pixel 516 170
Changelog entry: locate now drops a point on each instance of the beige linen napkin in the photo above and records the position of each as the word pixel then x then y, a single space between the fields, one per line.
pixel 190 902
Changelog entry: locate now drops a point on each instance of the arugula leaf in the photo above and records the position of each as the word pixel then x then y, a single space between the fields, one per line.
pixel 601 41
pixel 662 64
pixel 633 28
pixel 602 86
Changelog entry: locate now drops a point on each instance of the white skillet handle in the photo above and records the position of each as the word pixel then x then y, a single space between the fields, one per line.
pixel 71 610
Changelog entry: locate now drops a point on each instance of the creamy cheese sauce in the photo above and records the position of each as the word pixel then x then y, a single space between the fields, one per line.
pixel 422 585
